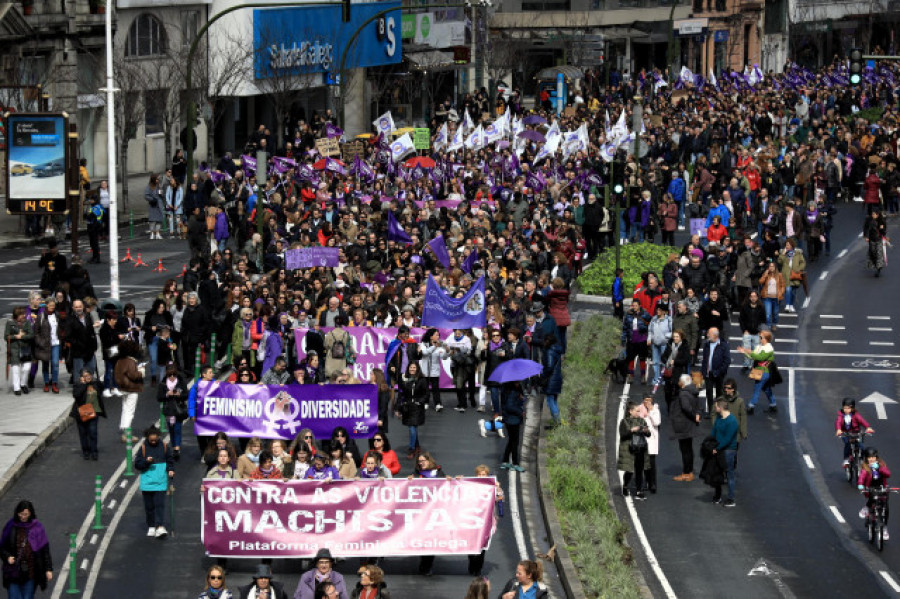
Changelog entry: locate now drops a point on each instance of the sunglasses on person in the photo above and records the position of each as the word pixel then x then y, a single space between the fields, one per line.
pixel 308 437
pixel 215 577
pixel 378 440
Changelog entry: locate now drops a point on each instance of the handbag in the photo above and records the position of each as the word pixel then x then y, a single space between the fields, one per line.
pixel 86 412
pixel 796 276
pixel 638 443
pixel 756 374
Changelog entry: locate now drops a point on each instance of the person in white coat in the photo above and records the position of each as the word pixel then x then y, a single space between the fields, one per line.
pixel 649 411
pixel 433 353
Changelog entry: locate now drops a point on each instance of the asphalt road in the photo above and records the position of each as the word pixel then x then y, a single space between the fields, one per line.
pixel 795 530
pixel 61 484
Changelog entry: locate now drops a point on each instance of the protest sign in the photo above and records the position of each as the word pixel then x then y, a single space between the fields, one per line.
pixel 370 346
pixel 328 146
pixel 311 257
pixel 698 227
pixel 352 149
pixel 387 518
pixel 422 138
pixel 279 411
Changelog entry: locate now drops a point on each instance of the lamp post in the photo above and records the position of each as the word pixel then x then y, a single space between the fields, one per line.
pixel 111 162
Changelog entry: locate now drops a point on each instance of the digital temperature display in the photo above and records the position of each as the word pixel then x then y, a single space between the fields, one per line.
pixel 36 206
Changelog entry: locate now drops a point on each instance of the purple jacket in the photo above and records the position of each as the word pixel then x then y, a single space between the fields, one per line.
pixel 273 350
pixel 307 587
pixel 221 230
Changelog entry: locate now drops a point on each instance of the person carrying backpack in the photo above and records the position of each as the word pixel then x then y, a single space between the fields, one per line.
pixel 338 347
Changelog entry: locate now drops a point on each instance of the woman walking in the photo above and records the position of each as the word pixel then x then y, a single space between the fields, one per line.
pixel 513 408
pixel 411 407
pixel 25 550
pixel 19 335
pixel 87 392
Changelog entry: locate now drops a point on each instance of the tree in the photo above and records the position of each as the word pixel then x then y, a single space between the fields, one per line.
pixel 129 79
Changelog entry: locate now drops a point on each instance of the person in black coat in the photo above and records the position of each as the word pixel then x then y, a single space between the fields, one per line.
pixel 262 580
pixel 85 391
pixel 411 405
pixel 24 541
pixel 80 337
pixel 172 394
pixel 714 367
pixel 341 438
pixel 677 361
pixel 194 329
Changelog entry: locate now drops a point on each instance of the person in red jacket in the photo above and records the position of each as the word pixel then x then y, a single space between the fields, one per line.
pixel 849 422
pixel 873 475
pixel 558 299
pixel 380 444
pixel 872 190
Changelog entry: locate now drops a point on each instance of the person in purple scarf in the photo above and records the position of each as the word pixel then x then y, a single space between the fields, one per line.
pixel 25 551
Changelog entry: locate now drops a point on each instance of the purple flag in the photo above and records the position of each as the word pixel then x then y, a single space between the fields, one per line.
pixel 469 262
pixel 248 163
pixel 394 231
pixel 439 247
pixel 279 412
pixel 219 177
pixel 333 130
pixel 441 310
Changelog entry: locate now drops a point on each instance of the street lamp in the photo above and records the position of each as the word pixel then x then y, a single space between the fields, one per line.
pixel 111 162
pixel 617 189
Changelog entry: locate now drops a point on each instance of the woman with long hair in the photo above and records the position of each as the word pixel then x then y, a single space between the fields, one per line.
pixel 385 398
pixel 25 550
pixel 411 405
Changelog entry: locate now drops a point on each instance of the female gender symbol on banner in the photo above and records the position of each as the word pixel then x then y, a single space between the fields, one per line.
pixel 281 412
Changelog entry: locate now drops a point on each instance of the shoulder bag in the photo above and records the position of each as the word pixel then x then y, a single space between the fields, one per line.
pixel 86 412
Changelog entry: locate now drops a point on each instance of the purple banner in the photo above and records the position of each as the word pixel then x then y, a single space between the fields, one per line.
pixel 310 257
pixel 279 412
pixel 441 310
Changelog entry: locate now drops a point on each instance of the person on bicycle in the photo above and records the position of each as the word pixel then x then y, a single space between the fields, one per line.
pixel 849 422
pixel 872 475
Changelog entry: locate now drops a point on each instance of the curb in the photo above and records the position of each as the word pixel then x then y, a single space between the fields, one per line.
pixel 592 299
pixel 34 449
pixel 565 567
pixel 27 242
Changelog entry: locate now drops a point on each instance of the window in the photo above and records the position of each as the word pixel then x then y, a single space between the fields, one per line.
pixel 146 37
pixel 190 24
pixel 154 104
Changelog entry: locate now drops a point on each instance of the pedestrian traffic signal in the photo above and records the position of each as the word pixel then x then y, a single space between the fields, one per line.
pixel 856 66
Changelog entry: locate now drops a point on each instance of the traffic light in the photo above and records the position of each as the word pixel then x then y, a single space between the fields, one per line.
pixel 856 66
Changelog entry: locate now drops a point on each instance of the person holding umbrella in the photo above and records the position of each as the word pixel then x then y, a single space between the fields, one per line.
pixel 513 410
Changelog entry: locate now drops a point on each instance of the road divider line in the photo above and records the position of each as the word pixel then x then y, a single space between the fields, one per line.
pixel 843 253
pixel 837 514
pixel 806 303
pixel 833 327
pixel 792 399
pixel 878 317
pixel 635 520
pixel 787 326
pixel 516 517
pixel 881 329
pixel 107 539
pixel 809 462
pixel 93 540
pixel 85 563
pixel 823 276
pixel 882 343
pixel 831 315
pixel 890 580
pixel 834 341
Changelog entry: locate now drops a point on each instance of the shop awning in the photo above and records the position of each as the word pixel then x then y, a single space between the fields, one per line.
pixel 432 60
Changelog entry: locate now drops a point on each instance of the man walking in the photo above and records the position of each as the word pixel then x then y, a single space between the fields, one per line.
pixel 725 431
pixel 716 360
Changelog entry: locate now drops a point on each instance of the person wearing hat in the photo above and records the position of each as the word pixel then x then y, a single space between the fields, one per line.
pixel 263 587
pixel 322 571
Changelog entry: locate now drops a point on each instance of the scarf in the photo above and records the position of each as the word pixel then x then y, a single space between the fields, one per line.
pixel 812 216
pixel 246 337
pixel 37 536
pixel 428 473
pixel 364 473
pixel 267 471
pixel 253 458
pixel 495 345
pixel 214 593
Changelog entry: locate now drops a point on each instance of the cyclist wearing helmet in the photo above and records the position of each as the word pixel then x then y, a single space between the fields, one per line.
pixel 873 474
pixel 849 422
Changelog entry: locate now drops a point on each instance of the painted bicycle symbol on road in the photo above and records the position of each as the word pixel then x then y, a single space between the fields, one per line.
pixel 870 363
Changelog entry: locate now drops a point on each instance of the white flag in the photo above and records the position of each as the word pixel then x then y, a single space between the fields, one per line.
pixel 384 123
pixel 467 123
pixel 476 140
pixel 553 130
pixel 712 79
pixel 619 129
pixel 402 146
pixel 456 142
pixel 503 123
pixel 686 76
pixel 549 149
pixel 440 140
pixel 493 133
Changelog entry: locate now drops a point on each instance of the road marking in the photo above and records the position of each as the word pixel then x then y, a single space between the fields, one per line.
pixel 879 400
pixel 837 514
pixel 805 303
pixel 831 315
pixel 514 514
pixel 843 253
pixel 882 343
pixel 93 539
pixel 809 462
pixel 833 328
pixel 787 326
pixel 834 341
pixel 890 580
pixel 878 317
pixel 792 400
pixel 112 504
pixel 788 341
pixel 84 563
pixel 124 484
pixel 881 329
pixel 823 276
pixel 107 539
pixel 636 521
pixel 828 354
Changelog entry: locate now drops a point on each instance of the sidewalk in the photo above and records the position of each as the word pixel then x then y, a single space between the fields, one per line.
pixel 12 226
pixel 33 421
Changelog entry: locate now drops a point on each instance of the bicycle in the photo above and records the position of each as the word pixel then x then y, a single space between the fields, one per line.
pixel 876 515
pixel 855 459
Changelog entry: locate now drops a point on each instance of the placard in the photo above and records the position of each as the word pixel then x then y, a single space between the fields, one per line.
pixel 352 149
pixel 328 146
pixel 422 138
pixel 698 227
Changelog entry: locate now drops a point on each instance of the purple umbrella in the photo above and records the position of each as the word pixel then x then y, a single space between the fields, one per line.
pixel 501 145
pixel 515 370
pixel 534 119
pixel 532 135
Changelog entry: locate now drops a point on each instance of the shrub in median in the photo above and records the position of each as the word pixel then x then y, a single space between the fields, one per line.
pixel 593 533
pixel 634 258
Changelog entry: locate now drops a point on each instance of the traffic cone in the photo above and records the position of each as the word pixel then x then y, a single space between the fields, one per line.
pixel 160 267
pixel 183 271
pixel 127 257
pixel 140 262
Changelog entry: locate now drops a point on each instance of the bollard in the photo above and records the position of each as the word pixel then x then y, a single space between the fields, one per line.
pixel 98 505
pixel 73 566
pixel 197 364
pixel 129 471
pixel 163 430
pixel 131 224
pixel 212 351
